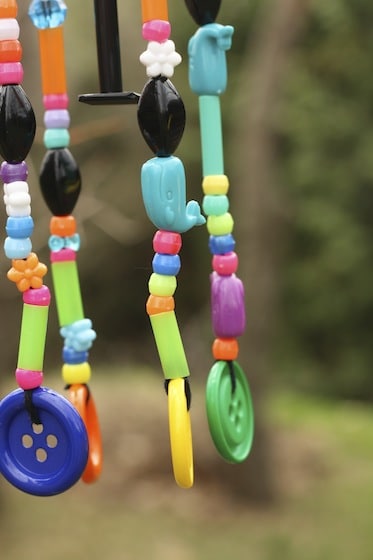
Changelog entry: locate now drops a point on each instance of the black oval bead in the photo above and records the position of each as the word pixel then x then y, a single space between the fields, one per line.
pixel 203 11
pixel 17 124
pixel 60 181
pixel 161 116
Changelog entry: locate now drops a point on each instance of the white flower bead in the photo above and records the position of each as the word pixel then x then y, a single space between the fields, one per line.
pixel 17 199
pixel 160 59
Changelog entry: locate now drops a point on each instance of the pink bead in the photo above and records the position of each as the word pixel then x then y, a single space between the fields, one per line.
pixel 63 255
pixel 28 378
pixel 37 296
pixel 156 30
pixel 225 264
pixel 11 73
pixel 56 101
pixel 167 242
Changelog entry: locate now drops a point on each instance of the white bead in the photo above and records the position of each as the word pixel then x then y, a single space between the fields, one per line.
pixel 18 211
pixel 9 29
pixel 16 186
pixel 160 58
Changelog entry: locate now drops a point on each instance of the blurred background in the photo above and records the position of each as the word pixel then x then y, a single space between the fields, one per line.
pixel 298 136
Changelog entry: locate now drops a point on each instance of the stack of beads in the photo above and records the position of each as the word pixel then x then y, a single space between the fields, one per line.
pixel 208 79
pixel 161 117
pixel 60 183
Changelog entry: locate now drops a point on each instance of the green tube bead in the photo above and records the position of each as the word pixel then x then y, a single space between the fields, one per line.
pixel 211 135
pixel 169 344
pixel 67 292
pixel 32 338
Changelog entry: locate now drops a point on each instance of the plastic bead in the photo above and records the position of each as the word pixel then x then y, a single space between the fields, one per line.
pixel 76 373
pixel 17 124
pixel 169 344
pixel 220 225
pixel 215 184
pixel 19 227
pixel 160 285
pixel 10 51
pixel 225 264
pixel 57 118
pixel 166 264
pixel 180 434
pixel 211 135
pixel 79 335
pixel 27 273
pixel 17 199
pixel 161 116
pixel 164 193
pixel 160 59
pixel 156 30
pixel 60 181
pixel 8 9
pixel 215 204
pixel 13 172
pixel 66 255
pixel 64 226
pixel 55 101
pixel 47 14
pixel 11 73
pixel 56 138
pixel 9 29
pixel 154 9
pixel 228 306
pixel 32 338
pixel 203 11
pixel 221 244
pixel 71 356
pixel 28 379
pixel 41 296
pixel 225 349
pixel 67 290
pixel 17 248
pixel 208 64
pixel 167 242
pixel 159 304
pixel 52 60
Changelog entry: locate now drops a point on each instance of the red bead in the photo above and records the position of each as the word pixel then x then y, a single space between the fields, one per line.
pixel 226 264
pixel 167 242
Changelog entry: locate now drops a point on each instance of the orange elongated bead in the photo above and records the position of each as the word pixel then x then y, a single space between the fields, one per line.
pixel 154 9
pixel 52 60
pixel 159 304
pixel 10 51
pixel 64 226
pixel 8 9
pixel 225 349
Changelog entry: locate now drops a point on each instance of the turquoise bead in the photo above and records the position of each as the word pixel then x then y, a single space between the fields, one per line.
pixel 215 205
pixel 56 138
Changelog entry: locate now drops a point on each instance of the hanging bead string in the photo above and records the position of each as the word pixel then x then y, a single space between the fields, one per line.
pixel 60 183
pixel 227 388
pixel 161 117
pixel 40 431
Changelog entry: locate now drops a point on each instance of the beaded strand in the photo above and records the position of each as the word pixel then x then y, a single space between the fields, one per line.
pixel 161 117
pixel 60 183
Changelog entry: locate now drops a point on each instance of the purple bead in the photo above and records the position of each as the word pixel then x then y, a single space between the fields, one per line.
pixel 227 306
pixel 57 118
pixel 10 172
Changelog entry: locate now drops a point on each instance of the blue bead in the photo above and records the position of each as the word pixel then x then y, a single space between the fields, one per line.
pixel 46 14
pixel 71 356
pixel 168 265
pixel 221 244
pixel 19 227
pixel 17 248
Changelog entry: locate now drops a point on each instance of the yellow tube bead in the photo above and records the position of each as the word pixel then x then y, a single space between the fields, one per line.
pixel 215 184
pixel 220 225
pixel 76 373
pixel 162 285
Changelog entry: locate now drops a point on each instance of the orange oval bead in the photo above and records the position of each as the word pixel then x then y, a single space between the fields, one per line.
pixel 10 51
pixel 159 304
pixel 63 226
pixel 225 349
pixel 8 9
pixel 154 9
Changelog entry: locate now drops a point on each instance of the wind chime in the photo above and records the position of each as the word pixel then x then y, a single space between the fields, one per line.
pixel 48 442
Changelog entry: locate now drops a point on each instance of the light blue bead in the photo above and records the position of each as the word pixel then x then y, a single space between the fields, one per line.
pixel 215 205
pixel 164 195
pixel 19 227
pixel 73 242
pixel 56 243
pixel 17 248
pixel 56 138
pixel 46 14
pixel 169 265
pixel 207 60
pixel 79 335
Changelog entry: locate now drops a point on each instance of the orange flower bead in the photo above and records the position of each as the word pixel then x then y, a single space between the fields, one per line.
pixel 27 273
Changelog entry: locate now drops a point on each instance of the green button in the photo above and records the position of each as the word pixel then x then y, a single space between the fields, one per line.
pixel 230 411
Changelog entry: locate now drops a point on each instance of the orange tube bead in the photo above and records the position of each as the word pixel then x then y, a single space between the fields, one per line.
pixel 154 9
pixel 52 60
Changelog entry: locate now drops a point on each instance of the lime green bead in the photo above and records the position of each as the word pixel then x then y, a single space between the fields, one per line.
pixel 169 345
pixel 215 204
pixel 220 225
pixel 76 373
pixel 32 337
pixel 67 292
pixel 162 285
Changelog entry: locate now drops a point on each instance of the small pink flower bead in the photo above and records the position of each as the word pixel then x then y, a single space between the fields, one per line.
pixel 28 378
pixel 156 30
pixel 226 264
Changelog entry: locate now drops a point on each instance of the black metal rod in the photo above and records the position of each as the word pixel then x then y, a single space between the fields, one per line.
pixel 108 46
